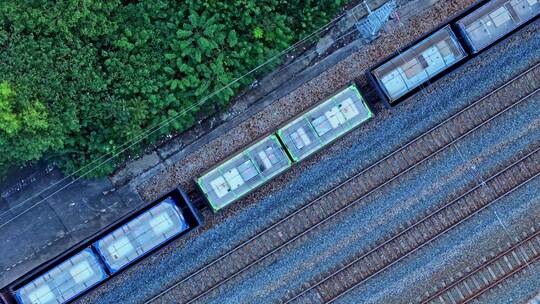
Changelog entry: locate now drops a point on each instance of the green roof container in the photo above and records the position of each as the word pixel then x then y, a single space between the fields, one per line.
pixel 324 123
pixel 243 172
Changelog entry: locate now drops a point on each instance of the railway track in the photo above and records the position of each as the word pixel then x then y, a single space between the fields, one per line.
pixel 423 232
pixel 490 273
pixel 350 192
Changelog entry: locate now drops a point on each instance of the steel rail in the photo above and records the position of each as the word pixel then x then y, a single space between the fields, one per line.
pixel 340 185
pixel 415 225
pixel 487 263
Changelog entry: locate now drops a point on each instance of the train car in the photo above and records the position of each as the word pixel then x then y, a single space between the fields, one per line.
pixel 64 282
pixel 324 123
pixel 135 239
pixel 243 172
pixel 106 253
pixel 404 72
pixel 494 20
pixel 250 168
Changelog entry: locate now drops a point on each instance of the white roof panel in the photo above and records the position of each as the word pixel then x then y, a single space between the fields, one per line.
pixel 416 65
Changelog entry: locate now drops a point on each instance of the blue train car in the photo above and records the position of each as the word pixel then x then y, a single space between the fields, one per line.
pixel 144 233
pixel 64 282
pixel 107 252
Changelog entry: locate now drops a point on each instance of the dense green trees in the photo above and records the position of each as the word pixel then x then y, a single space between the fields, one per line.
pixel 81 77
pixel 27 130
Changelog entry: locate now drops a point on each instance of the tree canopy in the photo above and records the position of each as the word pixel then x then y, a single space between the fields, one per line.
pixel 79 78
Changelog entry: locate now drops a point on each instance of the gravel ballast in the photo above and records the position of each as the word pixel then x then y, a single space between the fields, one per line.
pixel 383 213
pixel 460 248
pixel 358 149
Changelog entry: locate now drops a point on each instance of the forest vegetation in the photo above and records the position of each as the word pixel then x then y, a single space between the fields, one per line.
pixel 79 78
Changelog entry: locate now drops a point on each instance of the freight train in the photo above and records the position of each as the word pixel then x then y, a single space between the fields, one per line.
pixel 395 78
pixel 108 252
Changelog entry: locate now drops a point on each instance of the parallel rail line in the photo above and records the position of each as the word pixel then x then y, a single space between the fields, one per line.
pixel 423 232
pixel 338 199
pixel 490 273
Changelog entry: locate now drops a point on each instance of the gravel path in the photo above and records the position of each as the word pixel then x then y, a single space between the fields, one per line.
pixel 355 151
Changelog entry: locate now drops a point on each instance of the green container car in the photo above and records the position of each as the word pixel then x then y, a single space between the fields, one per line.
pixel 243 172
pixel 324 123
